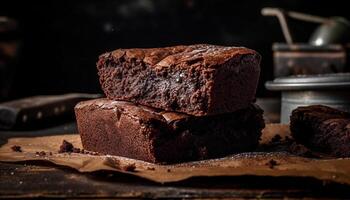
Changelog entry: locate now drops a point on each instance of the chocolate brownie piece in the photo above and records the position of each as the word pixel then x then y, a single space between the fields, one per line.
pixel 140 132
pixel 323 129
pixel 198 79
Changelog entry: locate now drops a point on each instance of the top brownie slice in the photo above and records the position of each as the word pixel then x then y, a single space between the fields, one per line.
pixel 197 79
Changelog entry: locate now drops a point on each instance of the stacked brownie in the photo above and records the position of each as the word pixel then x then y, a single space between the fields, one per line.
pixel 174 104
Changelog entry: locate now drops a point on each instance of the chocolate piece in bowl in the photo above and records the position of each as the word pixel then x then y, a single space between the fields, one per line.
pixel 144 133
pixel 197 79
pixel 322 129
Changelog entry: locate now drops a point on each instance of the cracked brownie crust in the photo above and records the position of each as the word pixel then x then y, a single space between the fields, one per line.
pixel 198 79
pixel 144 133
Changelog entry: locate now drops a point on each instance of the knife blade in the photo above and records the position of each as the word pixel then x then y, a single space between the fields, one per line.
pixel 35 110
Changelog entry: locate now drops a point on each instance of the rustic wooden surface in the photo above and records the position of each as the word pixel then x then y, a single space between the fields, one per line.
pixel 28 180
pixel 41 179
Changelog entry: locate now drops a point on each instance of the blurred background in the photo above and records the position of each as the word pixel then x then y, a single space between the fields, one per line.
pixel 51 47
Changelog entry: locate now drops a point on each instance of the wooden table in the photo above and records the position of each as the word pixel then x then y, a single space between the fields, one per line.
pixel 45 180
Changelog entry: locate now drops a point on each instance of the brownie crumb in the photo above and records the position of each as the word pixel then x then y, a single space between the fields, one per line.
pixel 151 168
pixel 272 163
pixel 112 162
pixel 287 144
pixel 169 170
pixel 289 139
pixel 66 147
pixel 301 150
pixel 129 167
pixel 275 146
pixel 41 153
pixel 202 152
pixel 91 153
pixel 16 148
pixel 76 150
pixel 50 153
pixel 276 138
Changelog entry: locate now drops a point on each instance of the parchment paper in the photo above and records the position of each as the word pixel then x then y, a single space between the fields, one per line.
pixel 256 163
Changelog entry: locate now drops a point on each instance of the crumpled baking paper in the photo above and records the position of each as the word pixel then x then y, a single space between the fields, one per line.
pixel 254 163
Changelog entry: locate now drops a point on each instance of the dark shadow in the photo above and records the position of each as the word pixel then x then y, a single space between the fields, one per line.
pixel 64 128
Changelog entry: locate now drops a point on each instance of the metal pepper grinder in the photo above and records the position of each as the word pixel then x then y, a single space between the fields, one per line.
pixel 325 52
pixel 314 66
pixel 333 30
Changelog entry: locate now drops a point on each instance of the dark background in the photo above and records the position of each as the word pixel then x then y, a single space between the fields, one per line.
pixel 60 40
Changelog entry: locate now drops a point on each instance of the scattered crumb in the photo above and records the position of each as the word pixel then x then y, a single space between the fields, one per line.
pixel 91 153
pixel 151 168
pixel 272 163
pixel 113 162
pixel 16 148
pixel 12 173
pixel 287 138
pixel 41 153
pixel 129 167
pixel 50 153
pixel 168 170
pixel 83 151
pixel 301 150
pixel 66 147
pixel 203 152
pixel 76 150
pixel 276 138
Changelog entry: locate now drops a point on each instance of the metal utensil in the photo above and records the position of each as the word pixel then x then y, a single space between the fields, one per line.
pixel 335 30
pixel 38 111
pixel 327 89
pixel 281 16
pixel 331 31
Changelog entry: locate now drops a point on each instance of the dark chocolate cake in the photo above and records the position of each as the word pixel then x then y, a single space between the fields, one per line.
pixel 197 79
pixel 144 133
pixel 323 129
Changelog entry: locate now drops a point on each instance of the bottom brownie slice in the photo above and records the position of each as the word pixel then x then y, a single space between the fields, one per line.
pixel 139 132
pixel 322 129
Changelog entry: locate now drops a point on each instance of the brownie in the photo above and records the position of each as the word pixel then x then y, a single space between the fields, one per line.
pixel 322 129
pixel 197 79
pixel 125 129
